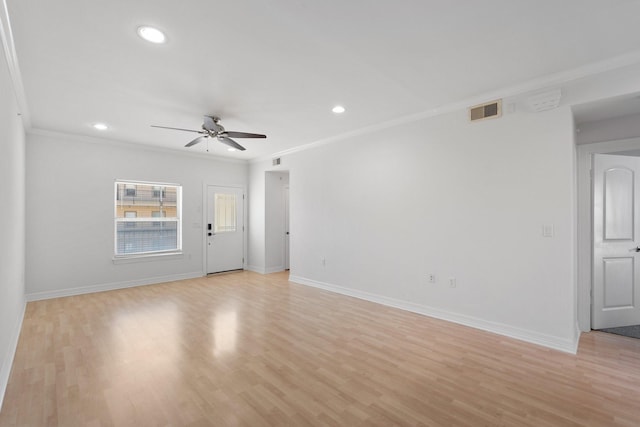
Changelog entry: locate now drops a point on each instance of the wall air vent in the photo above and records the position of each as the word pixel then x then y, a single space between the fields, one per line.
pixel 276 161
pixel 489 110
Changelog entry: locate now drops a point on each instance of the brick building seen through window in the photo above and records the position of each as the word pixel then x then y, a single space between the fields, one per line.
pixel 147 218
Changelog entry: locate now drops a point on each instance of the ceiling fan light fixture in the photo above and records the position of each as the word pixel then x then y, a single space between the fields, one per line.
pixel 338 109
pixel 100 126
pixel 151 34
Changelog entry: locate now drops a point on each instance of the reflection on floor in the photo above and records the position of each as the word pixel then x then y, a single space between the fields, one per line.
pixel 245 349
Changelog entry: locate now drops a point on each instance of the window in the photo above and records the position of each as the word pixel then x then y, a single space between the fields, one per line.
pixel 130 214
pixel 147 218
pixel 159 191
pixel 157 214
pixel 130 190
pixel 225 217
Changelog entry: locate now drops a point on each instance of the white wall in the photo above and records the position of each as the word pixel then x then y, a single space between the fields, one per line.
pixel 70 211
pixel 442 196
pixel 12 224
pixel 257 242
pixel 274 220
pixel 451 198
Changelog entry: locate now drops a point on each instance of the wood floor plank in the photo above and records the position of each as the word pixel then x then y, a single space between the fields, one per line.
pixel 245 349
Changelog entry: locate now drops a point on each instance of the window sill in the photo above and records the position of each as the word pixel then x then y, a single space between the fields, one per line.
pixel 129 259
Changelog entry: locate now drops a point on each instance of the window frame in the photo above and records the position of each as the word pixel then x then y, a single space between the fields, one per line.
pixel 117 199
pixel 223 227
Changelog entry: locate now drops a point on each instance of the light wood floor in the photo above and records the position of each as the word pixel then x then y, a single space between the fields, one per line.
pixel 244 349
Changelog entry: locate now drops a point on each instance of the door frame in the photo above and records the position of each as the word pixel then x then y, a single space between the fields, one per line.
pixel 287 226
pixel 203 227
pixel 584 234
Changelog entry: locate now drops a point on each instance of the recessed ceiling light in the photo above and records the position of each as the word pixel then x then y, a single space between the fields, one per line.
pixel 151 34
pixel 100 126
pixel 232 149
pixel 338 109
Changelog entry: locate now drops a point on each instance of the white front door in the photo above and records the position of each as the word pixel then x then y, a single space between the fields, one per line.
pixel 616 257
pixel 225 229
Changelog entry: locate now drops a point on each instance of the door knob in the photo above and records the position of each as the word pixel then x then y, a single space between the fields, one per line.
pixel 636 249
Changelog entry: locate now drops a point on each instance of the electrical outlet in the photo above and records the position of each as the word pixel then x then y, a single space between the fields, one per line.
pixel 431 278
pixel 452 282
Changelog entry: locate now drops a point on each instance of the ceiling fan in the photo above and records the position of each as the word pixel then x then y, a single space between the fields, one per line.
pixel 212 129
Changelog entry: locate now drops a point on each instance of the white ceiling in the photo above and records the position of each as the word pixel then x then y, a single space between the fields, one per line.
pixel 278 67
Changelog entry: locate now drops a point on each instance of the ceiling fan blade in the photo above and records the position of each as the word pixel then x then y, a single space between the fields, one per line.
pixel 230 142
pixel 195 141
pixel 233 134
pixel 186 130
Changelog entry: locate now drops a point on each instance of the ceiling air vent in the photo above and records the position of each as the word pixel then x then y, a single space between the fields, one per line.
pixel 489 110
pixel 276 161
pixel 545 100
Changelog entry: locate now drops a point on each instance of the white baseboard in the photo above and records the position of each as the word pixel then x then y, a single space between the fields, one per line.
pixel 265 270
pixel 549 341
pixel 37 296
pixel 256 269
pixel 7 362
pixel 277 269
pixel 578 334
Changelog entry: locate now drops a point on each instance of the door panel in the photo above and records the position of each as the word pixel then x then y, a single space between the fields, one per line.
pixel 618 203
pixel 225 229
pixel 618 283
pixel 616 210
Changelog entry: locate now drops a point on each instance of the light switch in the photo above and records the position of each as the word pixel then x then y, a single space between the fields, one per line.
pixel 547 230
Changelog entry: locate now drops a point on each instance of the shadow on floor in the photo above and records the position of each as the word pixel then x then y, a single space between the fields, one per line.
pixel 632 331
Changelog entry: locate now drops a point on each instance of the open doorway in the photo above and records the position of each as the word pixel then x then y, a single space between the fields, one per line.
pixel 287 251
pixel 616 241
pixel 610 126
pixel 276 221
pixel 590 288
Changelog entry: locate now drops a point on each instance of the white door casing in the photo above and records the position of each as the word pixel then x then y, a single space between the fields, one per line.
pixel 224 228
pixel 616 257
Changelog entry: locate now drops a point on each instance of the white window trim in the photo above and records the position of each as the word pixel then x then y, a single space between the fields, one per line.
pixel 146 256
pixel 153 256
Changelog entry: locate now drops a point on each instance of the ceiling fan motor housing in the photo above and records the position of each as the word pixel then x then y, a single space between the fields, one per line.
pixel 211 125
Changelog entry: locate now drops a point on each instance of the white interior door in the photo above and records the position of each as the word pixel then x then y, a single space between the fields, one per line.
pixel 286 227
pixel 225 229
pixel 616 257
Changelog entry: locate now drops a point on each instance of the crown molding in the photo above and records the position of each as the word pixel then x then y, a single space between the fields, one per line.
pixel 540 83
pixel 129 145
pixel 6 34
pixel 533 85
